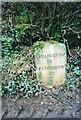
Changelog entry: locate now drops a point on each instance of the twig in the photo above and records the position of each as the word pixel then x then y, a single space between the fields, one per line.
pixel 77 11
pixel 65 41
pixel 71 15
pixel 31 66
pixel 76 32
pixel 68 48
pixel 63 36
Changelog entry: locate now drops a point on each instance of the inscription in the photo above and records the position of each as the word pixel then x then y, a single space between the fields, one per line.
pixel 49 61
pixel 51 55
pixel 51 72
pixel 51 67
pixel 50 77
pixel 50 80
pixel 50 64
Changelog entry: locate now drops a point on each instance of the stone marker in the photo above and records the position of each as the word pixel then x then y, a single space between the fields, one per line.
pixel 50 64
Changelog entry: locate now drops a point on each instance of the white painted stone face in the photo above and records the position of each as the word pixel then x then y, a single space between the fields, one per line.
pixel 50 64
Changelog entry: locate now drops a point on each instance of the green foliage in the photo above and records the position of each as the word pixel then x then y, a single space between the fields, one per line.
pixel 57 37
pixel 38 45
pixel 7 43
pixel 22 87
pixel 53 42
pixel 18 76
pixel 73 75
pixel 31 22
pixel 25 23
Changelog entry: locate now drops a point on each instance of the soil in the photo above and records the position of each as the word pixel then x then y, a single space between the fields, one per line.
pixel 56 103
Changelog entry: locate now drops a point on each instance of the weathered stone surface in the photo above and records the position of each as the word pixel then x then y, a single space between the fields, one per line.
pixel 50 64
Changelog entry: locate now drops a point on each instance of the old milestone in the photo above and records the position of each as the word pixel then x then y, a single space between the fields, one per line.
pixel 50 64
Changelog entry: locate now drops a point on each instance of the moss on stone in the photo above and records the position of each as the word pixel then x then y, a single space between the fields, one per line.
pixel 40 44
pixel 52 42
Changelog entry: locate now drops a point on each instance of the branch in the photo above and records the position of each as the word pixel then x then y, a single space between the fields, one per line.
pixel 32 66
pixel 66 41
pixel 77 11
pixel 76 32
pixel 73 15
pixel 50 38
